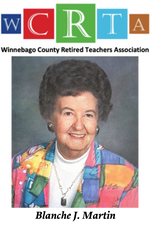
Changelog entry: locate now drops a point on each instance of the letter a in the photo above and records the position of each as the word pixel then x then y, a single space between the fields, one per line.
pixel 78 24
pixel 136 25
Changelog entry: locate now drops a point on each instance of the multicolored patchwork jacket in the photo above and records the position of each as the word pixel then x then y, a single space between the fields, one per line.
pixel 108 180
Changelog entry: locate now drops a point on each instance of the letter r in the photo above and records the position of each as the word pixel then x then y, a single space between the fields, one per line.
pixel 70 24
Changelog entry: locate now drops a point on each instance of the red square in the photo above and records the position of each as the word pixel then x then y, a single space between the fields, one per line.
pixel 38 24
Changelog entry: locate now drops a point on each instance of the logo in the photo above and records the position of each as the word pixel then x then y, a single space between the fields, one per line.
pixel 11 23
pixel 112 24
pixel 38 23
pixel 139 23
pixel 75 23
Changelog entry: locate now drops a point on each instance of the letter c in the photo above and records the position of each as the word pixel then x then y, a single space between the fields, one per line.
pixel 30 23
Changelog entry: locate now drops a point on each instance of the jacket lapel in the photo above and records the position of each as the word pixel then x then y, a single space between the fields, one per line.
pixel 88 191
pixel 44 171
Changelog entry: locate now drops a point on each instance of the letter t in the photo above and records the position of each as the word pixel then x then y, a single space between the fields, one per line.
pixel 111 21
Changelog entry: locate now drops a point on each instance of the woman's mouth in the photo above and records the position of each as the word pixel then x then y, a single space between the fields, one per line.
pixel 77 135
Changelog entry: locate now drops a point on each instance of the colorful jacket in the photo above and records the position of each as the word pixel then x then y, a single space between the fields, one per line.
pixel 108 180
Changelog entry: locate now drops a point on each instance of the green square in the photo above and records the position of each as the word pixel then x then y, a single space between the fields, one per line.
pixel 75 23
pixel 38 185
pixel 78 201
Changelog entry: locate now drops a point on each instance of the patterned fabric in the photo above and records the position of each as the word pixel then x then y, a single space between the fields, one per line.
pixel 108 180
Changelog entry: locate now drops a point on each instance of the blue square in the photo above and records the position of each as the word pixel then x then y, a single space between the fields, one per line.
pixel 91 172
pixel 90 190
pixel 112 24
pixel 110 158
pixel 11 23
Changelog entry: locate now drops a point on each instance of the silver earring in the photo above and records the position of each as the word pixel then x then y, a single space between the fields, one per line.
pixel 50 127
pixel 97 130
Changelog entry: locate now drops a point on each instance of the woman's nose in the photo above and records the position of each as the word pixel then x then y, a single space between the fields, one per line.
pixel 78 124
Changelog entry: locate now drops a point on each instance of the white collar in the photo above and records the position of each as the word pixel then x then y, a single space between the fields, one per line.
pixel 66 164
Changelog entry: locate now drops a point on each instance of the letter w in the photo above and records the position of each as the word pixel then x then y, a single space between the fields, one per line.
pixel 11 22
pixel 78 24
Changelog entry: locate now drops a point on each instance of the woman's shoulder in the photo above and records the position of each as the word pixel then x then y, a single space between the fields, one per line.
pixel 34 153
pixel 109 157
pixel 117 170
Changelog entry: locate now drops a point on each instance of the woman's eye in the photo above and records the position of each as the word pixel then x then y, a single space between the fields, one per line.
pixel 89 115
pixel 67 113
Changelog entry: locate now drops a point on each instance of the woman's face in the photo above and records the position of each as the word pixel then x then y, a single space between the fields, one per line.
pixel 74 122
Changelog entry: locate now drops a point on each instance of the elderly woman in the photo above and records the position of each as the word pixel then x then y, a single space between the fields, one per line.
pixel 73 170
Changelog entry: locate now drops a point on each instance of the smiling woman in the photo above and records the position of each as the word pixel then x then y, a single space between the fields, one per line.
pixel 74 122
pixel 73 170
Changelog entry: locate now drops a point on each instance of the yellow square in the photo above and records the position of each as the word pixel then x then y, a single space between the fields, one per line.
pixel 118 175
pixel 45 169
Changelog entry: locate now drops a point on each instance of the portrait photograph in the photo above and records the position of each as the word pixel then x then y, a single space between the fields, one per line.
pixel 75 132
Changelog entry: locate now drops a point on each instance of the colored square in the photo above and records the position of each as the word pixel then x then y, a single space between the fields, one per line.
pixel 45 169
pixel 78 201
pixel 91 172
pixel 139 23
pixel 75 23
pixel 38 23
pixel 110 158
pixel 11 23
pixel 29 183
pixel 118 175
pixel 98 156
pixel 112 23
pixel 90 190
pixel 38 185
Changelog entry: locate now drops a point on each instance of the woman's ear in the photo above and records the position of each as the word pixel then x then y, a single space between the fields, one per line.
pixel 50 126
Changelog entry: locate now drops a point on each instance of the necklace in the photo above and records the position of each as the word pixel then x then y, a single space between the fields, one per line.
pixel 63 199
